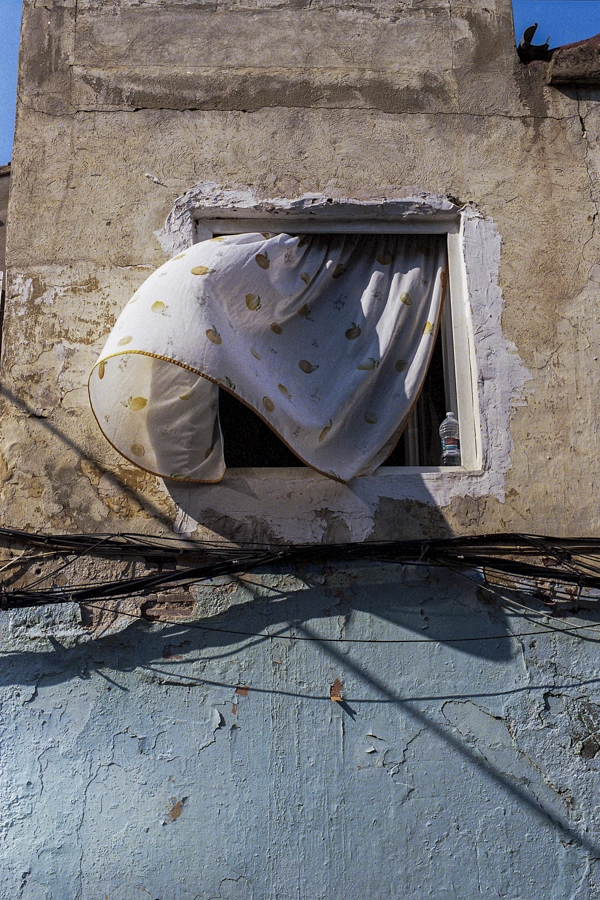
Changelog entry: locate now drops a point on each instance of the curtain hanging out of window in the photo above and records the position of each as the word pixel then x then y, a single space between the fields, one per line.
pixel 326 337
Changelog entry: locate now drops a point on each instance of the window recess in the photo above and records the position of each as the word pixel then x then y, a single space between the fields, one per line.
pixel 450 381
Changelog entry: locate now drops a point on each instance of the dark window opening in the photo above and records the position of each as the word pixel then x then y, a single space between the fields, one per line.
pixel 420 441
pixel 249 443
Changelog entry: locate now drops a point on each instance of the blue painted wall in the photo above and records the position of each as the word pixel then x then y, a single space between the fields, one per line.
pixel 137 764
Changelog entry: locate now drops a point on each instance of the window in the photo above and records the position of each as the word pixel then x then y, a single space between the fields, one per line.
pixel 248 442
pixel 296 504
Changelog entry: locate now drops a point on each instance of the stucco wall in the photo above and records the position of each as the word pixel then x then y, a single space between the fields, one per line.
pixel 361 102
pixel 131 767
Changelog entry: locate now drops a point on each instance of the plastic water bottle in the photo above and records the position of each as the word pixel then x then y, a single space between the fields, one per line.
pixel 450 441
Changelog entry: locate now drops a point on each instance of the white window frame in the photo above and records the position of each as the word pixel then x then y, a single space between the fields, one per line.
pixel 457 332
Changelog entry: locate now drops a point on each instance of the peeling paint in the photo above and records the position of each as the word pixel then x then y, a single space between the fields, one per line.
pixel 176 809
pixel 185 745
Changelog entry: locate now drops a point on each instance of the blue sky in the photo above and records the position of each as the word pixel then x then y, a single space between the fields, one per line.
pixel 563 20
pixel 9 46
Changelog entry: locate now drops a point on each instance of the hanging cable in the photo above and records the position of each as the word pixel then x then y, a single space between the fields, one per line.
pixel 529 560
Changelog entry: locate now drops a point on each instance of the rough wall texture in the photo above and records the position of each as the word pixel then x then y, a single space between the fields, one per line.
pixel 353 101
pixel 182 763
pixel 451 769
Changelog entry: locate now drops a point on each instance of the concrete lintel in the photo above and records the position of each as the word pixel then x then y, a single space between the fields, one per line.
pixel 209 201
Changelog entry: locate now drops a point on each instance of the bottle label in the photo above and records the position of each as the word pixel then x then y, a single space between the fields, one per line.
pixel 450 443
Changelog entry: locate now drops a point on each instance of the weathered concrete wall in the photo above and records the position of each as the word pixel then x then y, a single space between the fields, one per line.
pixel 455 769
pixel 185 763
pixel 355 101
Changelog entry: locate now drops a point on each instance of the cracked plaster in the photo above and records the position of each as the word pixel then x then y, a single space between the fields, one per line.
pixel 163 759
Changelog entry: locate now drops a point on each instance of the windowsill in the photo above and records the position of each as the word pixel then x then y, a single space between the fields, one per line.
pixel 273 505
pixel 304 473
pixel 424 470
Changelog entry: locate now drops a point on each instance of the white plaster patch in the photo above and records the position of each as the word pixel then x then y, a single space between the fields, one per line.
pixel 21 288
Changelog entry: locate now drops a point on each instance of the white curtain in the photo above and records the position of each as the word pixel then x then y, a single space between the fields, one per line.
pixel 326 337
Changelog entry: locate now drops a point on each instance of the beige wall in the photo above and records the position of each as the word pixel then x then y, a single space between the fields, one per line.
pixel 361 101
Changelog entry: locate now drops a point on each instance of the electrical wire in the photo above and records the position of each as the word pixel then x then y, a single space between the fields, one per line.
pixel 509 635
pixel 566 564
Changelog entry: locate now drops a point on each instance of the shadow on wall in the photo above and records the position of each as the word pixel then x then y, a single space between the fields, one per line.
pixel 399 606
pixel 24 408
pixel 436 619
pixel 238 510
pixel 358 604
pixel 256 507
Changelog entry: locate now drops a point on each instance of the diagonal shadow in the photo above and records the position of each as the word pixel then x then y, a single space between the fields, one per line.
pixel 540 810
pixel 428 611
pixel 142 499
pixel 476 626
pixel 164 651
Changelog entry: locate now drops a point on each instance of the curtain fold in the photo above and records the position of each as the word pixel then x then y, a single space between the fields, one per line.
pixel 326 337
